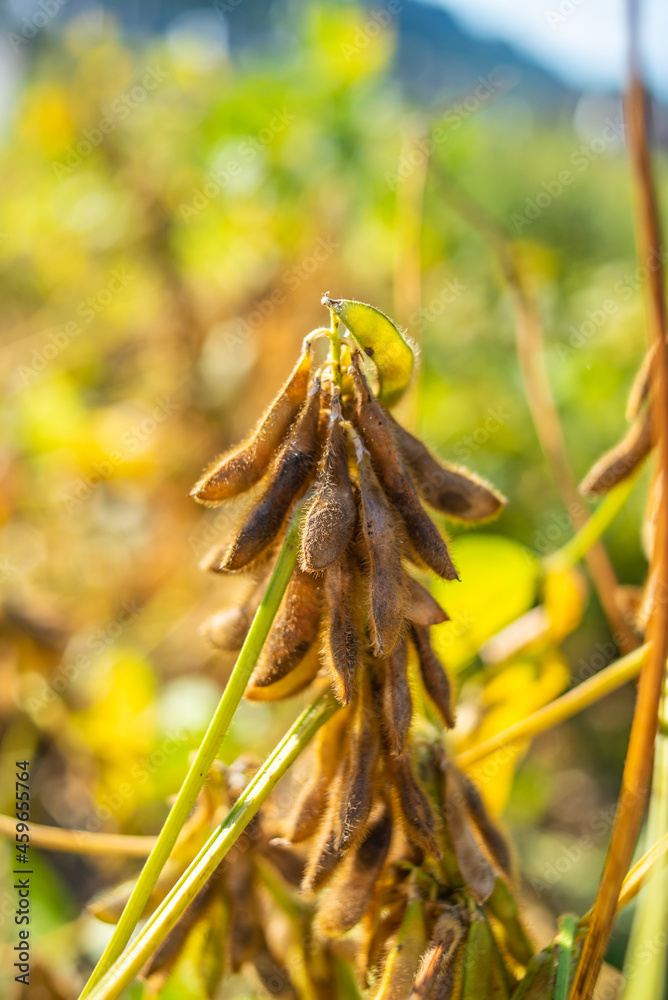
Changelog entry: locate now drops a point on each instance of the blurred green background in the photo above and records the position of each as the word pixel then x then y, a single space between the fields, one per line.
pixel 171 213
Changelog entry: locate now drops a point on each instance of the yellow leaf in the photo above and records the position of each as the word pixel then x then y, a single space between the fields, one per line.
pixel 564 597
pixel 497 584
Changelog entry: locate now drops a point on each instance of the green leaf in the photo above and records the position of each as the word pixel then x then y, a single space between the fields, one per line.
pixel 382 341
pixel 498 579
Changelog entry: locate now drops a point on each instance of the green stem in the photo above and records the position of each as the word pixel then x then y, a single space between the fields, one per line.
pixel 574 550
pixel 213 852
pixel 206 754
pixel 565 940
pixel 346 981
pixel 336 349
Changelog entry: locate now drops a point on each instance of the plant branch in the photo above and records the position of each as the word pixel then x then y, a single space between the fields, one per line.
pixel 638 764
pixel 335 349
pixel 577 547
pixel 569 704
pixel 206 754
pixel 54 838
pixel 202 868
pixel 644 869
pixel 530 351
pixel 565 940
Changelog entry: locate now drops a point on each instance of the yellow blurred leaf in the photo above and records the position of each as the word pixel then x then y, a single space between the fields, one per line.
pixel 564 597
pixel 512 694
pixel 498 583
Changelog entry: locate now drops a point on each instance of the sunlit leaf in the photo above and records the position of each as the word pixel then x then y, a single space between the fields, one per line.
pixel 381 341
pixel 512 694
pixel 564 597
pixel 498 579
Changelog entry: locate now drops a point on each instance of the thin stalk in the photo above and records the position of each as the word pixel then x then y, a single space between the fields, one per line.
pixel 53 838
pixel 599 522
pixel 638 763
pixel 651 915
pixel 569 704
pixel 643 869
pixel 565 940
pixel 407 271
pixel 531 356
pixel 347 984
pixel 194 878
pixel 206 754
pixel 408 225
pixel 335 350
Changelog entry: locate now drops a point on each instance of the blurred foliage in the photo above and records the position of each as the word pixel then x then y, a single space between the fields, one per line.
pixel 170 218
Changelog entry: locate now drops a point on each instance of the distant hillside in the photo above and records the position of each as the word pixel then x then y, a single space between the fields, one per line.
pixel 436 56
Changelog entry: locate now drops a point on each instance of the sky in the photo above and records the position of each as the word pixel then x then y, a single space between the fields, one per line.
pixel 583 41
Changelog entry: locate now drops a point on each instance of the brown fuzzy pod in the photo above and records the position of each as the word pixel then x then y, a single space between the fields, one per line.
pixel 330 519
pixel 293 632
pixel 397 702
pixel 287 862
pixel 362 749
pixel 433 675
pixel 383 552
pixel 621 461
pixel 415 808
pixel 441 970
pixel 453 490
pixel 290 473
pixel 325 856
pixel 227 629
pixel 492 837
pixel 475 868
pixel 350 892
pixel 238 470
pixel 299 678
pixel 370 421
pixel 419 606
pixel 342 648
pixel 245 935
pixel 312 800
pixel 385 934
